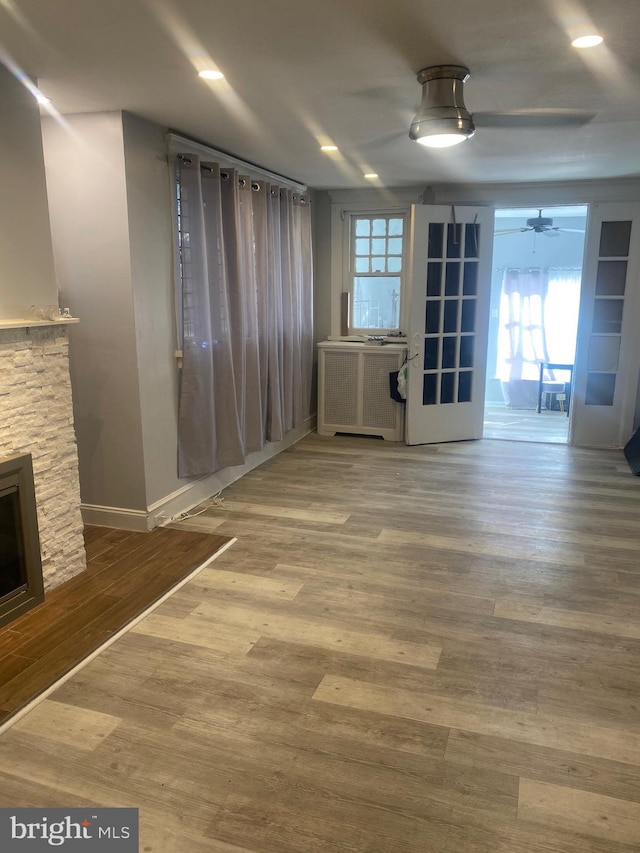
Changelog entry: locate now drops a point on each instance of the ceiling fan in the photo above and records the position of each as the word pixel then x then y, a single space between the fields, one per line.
pixel 442 118
pixel 541 225
pixel 442 112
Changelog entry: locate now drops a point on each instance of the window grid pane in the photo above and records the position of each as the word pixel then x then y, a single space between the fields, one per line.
pixel 447 388
pixel 615 239
pixel 376 264
pixel 450 318
pixel 608 309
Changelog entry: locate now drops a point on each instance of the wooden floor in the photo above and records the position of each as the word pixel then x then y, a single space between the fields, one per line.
pixel 126 572
pixel 548 426
pixel 408 650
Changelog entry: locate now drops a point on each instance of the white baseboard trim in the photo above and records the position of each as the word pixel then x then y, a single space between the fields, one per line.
pixel 190 494
pixel 114 516
pixel 194 493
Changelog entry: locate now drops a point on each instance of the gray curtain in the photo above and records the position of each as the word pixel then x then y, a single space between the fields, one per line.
pixel 245 284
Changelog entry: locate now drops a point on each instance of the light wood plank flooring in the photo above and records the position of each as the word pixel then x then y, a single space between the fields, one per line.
pixel 411 650
pixel 549 425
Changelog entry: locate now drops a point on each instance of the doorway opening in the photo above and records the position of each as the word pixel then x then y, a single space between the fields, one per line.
pixel 533 326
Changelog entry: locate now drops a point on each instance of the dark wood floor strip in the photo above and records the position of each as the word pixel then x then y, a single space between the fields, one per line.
pixel 126 573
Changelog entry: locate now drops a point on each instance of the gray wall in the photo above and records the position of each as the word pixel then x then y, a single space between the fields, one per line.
pixel 321 209
pixel 111 219
pixel 89 220
pixel 112 232
pixel 152 279
pixel 26 260
pixel 322 265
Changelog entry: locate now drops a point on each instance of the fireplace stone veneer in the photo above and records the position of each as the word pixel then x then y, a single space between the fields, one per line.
pixel 36 417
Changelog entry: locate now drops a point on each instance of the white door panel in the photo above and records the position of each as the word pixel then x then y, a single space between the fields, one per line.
pixel 451 250
pixel 608 348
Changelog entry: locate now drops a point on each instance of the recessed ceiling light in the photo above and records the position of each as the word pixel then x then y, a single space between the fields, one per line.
pixel 587 41
pixel 371 175
pixel 328 147
pixel 211 74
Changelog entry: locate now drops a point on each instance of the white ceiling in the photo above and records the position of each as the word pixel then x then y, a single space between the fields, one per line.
pixel 300 73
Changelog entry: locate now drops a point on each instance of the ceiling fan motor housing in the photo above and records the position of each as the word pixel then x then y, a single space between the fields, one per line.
pixel 442 102
pixel 540 223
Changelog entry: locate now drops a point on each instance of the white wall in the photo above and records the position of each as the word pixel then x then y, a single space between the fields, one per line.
pixel 26 259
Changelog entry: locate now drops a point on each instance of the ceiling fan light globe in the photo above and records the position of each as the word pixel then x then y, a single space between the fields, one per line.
pixel 441 130
pixel 442 140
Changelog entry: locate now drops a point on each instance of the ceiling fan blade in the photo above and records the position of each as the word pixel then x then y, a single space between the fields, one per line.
pixel 387 139
pixel 512 231
pixel 572 230
pixel 533 118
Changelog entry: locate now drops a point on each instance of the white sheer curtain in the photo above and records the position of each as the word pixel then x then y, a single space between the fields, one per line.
pixel 246 314
pixel 538 320
pixel 562 307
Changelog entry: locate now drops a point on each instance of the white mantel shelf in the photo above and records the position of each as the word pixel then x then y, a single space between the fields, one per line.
pixel 28 324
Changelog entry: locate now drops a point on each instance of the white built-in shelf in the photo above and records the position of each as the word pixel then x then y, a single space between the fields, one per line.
pixel 28 324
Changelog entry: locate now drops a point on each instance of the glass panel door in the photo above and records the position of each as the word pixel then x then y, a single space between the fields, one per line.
pixel 451 258
pixel 608 351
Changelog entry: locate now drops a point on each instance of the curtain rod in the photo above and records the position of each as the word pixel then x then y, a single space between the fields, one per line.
pixel 256 186
pixel 182 144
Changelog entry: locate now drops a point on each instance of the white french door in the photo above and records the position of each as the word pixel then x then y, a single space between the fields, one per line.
pixel 605 383
pixel 451 250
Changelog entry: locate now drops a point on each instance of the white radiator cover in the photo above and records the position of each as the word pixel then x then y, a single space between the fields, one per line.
pixel 353 389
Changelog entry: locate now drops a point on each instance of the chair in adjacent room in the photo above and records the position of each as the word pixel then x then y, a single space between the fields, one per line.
pixel 553 392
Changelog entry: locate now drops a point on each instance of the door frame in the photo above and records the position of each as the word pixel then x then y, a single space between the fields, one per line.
pixel 549 208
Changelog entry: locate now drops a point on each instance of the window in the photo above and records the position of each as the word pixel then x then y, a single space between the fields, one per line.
pixel 376 268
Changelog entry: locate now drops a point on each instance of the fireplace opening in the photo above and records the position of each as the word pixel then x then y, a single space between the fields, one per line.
pixel 21 584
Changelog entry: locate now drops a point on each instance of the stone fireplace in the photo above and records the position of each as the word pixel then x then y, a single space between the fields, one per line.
pixel 36 418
